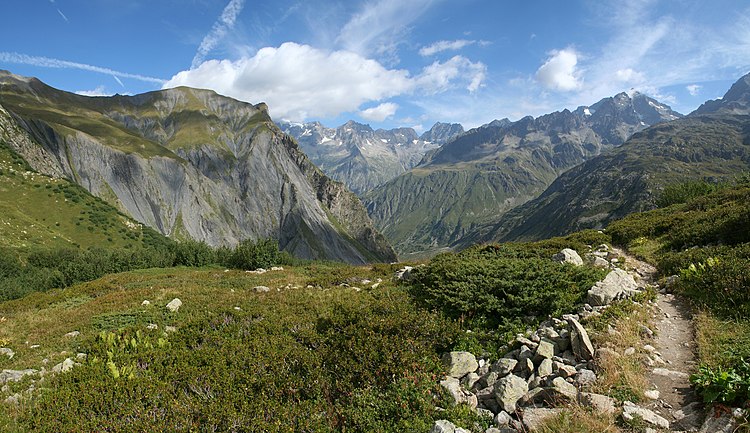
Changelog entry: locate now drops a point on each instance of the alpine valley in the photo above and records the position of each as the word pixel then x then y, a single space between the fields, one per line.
pixel 487 171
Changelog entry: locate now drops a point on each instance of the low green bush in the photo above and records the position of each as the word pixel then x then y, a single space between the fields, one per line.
pixel 490 288
pixel 250 255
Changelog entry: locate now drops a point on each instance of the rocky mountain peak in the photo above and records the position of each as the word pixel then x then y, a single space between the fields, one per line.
pixel 442 132
pixel 735 101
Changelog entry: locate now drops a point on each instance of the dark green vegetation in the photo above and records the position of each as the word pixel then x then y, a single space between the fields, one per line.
pixel 496 291
pixel 41 269
pixel 706 241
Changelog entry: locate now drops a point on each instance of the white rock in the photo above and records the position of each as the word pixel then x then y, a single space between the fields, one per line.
pixel 568 255
pixel 261 289
pixel 174 305
pixel 72 334
pixel 630 411
pixel 146 303
pixel 652 394
pixel 617 284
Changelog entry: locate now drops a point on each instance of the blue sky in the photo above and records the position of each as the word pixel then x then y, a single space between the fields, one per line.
pixel 386 62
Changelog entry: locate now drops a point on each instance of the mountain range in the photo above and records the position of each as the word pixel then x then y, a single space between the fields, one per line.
pixel 487 171
pixel 191 164
pixel 711 143
pixel 363 158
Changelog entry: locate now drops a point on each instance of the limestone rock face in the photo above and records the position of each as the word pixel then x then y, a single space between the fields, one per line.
pixel 191 164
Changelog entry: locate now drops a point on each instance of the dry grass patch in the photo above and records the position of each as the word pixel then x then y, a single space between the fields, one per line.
pixel 619 328
pixel 578 419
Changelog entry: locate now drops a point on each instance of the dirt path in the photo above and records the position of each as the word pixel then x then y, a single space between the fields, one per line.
pixel 674 359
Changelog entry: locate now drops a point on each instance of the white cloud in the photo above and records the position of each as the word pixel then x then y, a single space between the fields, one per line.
pixel 46 62
pixel 559 72
pixel 439 77
pixel 629 76
pixel 219 30
pixel 441 46
pixel 300 81
pixel 99 91
pixel 380 25
pixel 379 113
pixel 118 80
pixel 62 15
pixel 693 89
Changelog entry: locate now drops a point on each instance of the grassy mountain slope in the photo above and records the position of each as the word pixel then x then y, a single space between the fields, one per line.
pixel 191 164
pixel 41 211
pixel 629 179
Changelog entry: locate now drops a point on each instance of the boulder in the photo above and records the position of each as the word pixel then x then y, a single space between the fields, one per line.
pixel 64 366
pixel 488 379
pixel 598 402
pixel 174 305
pixel 579 340
pixel 568 255
pixel 460 363
pixel 545 368
pixel 585 377
pixel 727 422
pixel 533 417
pixel 443 426
pixel 617 284
pixel 545 350
pixel 509 390
pixel 630 411
pixel 502 419
pixel 15 375
pixel 469 380
pixel 460 396
pixel 690 417
pixel 561 388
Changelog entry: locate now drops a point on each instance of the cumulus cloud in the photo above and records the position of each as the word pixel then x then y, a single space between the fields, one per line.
pixel 300 81
pixel 379 113
pixel 693 89
pixel 559 72
pixel 441 46
pixel 99 91
pixel 219 30
pixel 438 76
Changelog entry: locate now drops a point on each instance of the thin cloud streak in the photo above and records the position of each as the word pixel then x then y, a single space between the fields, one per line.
pixel 63 16
pixel 218 31
pixel 46 62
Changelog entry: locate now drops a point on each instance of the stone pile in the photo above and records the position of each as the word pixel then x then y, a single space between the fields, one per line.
pixel 551 366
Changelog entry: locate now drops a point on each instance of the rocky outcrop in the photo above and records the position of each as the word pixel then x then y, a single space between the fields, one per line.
pixel 191 164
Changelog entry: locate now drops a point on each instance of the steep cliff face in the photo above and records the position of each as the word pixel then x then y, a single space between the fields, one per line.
pixel 191 163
